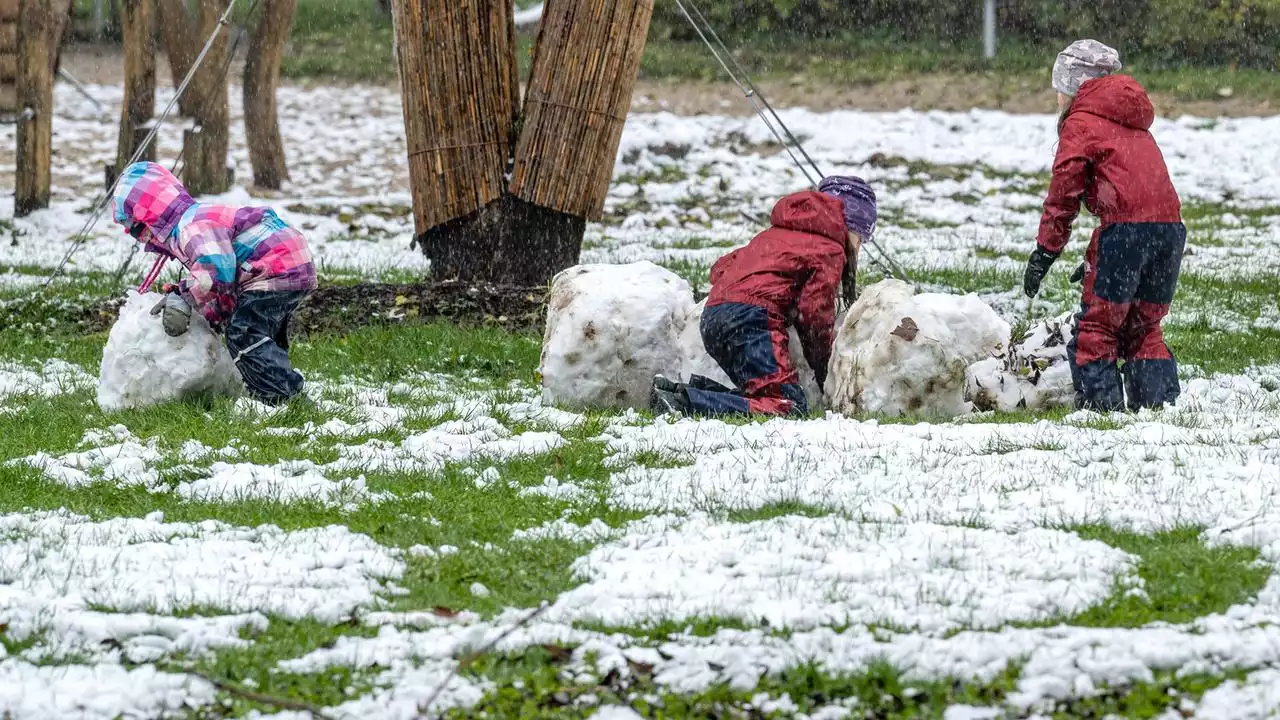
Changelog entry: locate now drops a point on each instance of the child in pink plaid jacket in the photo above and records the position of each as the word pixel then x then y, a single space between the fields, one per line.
pixel 247 272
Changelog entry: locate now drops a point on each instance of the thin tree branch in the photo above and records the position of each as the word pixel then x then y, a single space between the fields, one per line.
pixel 471 657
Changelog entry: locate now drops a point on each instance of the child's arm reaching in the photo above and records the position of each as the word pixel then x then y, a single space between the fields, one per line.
pixel 210 285
pixel 1066 188
pixel 816 308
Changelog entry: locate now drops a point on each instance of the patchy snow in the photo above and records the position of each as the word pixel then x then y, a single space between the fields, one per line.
pixel 801 573
pixel 561 529
pixel 55 377
pixel 898 353
pixel 76 586
pixel 610 329
pixel 96 692
pixel 284 483
pixel 142 365
pixel 1215 456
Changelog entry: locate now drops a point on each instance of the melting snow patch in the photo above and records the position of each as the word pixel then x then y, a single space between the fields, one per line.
pixel 561 529
pixel 285 482
pixel 800 573
pixel 55 567
pixel 54 378
pixel 96 692
pixel 142 365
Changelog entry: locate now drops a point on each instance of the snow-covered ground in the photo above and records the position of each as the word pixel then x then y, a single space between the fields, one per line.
pixel 948 551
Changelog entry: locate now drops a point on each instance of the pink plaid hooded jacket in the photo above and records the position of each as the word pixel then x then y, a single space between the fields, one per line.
pixel 227 250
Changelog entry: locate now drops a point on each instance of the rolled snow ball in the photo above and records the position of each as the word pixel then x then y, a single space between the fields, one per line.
pixel 142 365
pixel 1082 61
pixel 898 353
pixel 610 329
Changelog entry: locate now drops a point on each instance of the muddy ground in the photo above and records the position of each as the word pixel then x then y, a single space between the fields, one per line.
pixel 337 308
pixel 103 65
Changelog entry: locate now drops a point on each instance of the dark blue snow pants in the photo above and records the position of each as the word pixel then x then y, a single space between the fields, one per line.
pixel 754 350
pixel 258 338
pixel 1130 278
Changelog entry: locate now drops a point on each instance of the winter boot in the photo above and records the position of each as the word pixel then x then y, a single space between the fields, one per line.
pixel 667 396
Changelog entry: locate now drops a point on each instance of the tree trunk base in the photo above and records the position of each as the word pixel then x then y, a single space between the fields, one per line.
pixel 507 242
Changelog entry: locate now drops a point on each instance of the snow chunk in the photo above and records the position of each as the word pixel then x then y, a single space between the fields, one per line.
pixel 1034 374
pixel 801 572
pixel 610 329
pixel 284 482
pixel 898 353
pixel 141 365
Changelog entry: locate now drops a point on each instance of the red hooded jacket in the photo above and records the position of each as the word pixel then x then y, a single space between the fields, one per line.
pixel 792 270
pixel 1108 158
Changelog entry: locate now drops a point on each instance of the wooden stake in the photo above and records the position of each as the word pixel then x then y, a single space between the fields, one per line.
pixel 139 78
pixel 261 75
pixel 37 26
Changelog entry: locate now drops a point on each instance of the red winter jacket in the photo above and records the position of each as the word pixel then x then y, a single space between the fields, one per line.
pixel 1107 157
pixel 792 270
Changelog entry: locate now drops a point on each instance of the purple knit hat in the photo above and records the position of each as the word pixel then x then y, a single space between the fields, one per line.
pixel 859 202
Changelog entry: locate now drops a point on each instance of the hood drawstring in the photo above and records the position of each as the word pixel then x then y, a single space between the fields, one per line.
pixel 153 274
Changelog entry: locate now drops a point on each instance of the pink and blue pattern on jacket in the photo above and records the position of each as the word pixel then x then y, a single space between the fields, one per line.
pixel 227 250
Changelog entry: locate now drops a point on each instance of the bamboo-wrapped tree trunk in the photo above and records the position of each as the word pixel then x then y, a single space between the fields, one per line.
pixel 459 88
pixel 37 45
pixel 261 76
pixel 205 149
pixel 8 55
pixel 139 104
pixel 586 58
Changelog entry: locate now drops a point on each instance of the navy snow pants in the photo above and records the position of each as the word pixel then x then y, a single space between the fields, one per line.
pixel 754 350
pixel 258 338
pixel 1131 275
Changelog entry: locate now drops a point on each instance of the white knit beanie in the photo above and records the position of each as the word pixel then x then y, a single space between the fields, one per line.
pixel 1083 60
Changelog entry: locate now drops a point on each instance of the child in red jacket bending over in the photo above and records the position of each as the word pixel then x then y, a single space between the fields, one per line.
pixel 1108 159
pixel 788 275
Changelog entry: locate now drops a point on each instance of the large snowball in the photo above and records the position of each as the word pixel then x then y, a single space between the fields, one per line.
pixel 1033 374
pixel 898 353
pixel 610 329
pixel 141 365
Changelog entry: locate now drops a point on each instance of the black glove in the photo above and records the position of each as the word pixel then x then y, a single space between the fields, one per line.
pixel 1037 267
pixel 1078 275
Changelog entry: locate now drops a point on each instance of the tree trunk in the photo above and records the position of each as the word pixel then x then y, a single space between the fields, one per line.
pixel 36 47
pixel 8 55
pixel 139 77
pixel 261 76
pixel 205 160
pixel 180 44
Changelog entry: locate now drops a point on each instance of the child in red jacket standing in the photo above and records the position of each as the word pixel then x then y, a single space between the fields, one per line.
pixel 787 275
pixel 1108 159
